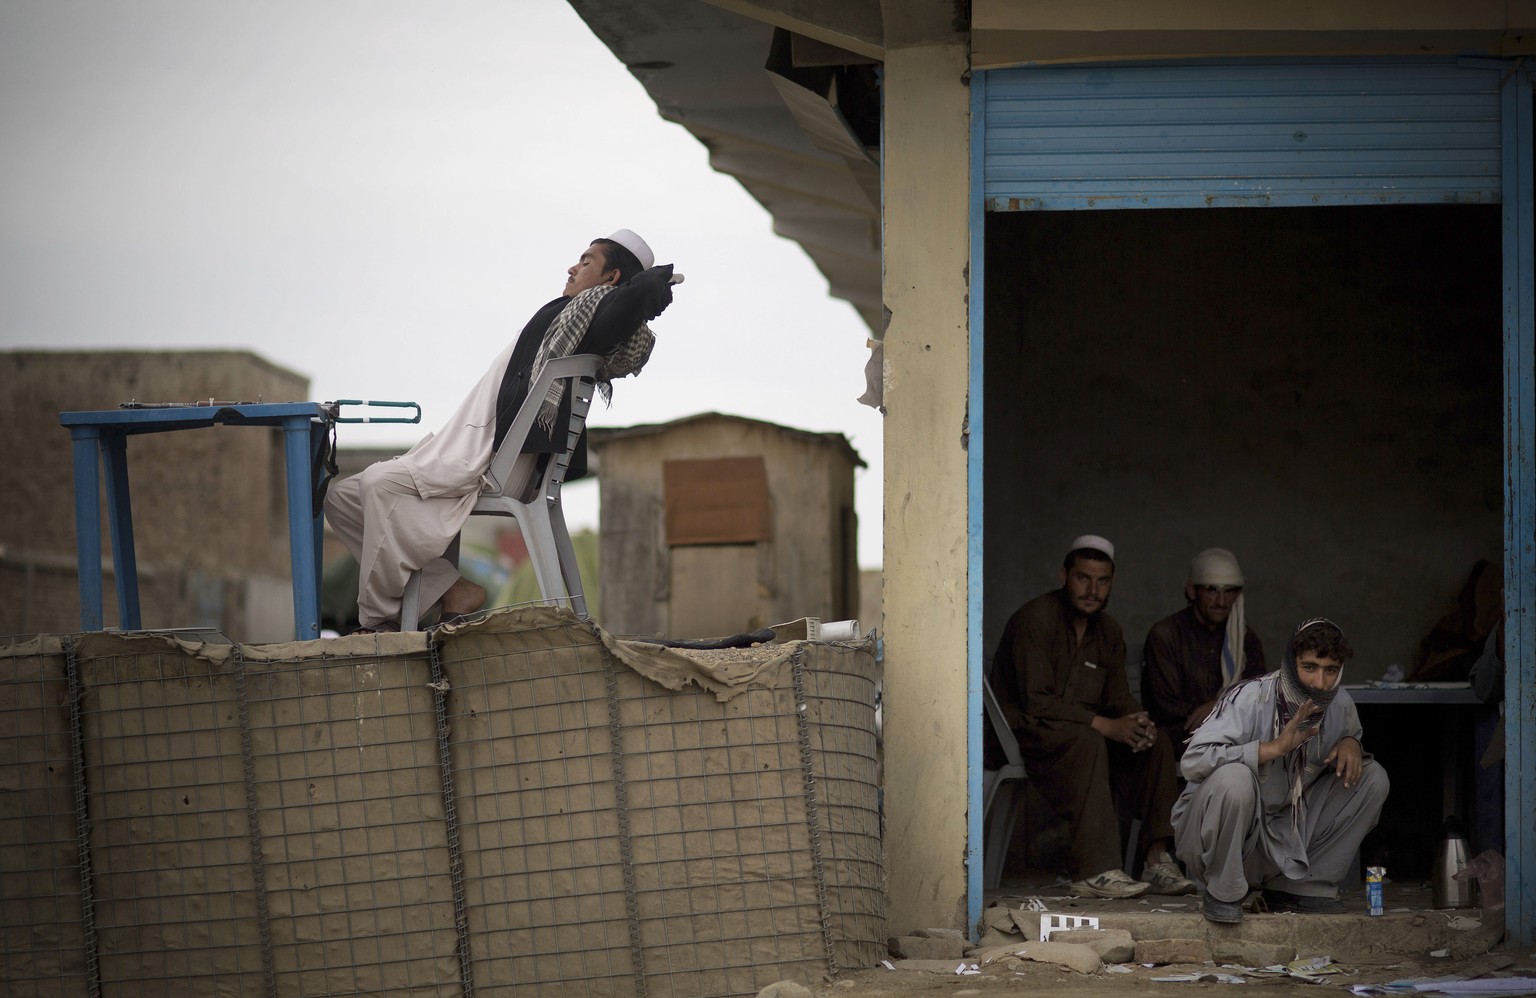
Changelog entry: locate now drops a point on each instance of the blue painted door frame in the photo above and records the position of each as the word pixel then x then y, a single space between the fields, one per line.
pixel 1519 262
pixel 1519 513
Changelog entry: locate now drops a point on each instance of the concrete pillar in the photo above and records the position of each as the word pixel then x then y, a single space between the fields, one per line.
pixel 926 252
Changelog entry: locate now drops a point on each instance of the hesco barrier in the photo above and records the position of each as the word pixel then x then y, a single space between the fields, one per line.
pixel 523 805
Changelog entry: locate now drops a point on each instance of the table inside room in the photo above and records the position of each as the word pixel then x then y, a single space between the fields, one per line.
pixel 1424 735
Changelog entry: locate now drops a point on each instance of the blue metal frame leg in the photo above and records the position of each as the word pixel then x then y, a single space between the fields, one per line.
pixel 88 524
pixel 302 530
pixel 125 561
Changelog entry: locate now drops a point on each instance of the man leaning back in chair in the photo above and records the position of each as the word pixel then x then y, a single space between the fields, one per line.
pixel 400 515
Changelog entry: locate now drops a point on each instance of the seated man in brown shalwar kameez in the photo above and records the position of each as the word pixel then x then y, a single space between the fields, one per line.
pixel 1059 677
pixel 1280 791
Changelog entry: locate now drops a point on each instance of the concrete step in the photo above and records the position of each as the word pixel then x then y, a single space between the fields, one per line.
pixel 1410 927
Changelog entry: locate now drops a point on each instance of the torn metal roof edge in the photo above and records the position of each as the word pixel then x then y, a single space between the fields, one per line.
pixel 703 65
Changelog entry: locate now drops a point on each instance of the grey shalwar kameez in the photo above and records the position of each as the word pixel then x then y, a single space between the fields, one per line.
pixel 1234 824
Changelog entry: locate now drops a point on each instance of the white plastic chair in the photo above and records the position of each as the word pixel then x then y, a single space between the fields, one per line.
pixel 531 496
pixel 999 810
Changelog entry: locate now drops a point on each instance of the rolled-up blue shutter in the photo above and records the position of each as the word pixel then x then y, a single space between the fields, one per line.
pixel 1256 134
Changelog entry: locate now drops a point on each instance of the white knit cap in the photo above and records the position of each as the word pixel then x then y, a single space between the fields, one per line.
pixel 1094 543
pixel 1215 567
pixel 637 246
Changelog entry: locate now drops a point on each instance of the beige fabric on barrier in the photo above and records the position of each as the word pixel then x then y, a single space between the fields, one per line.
pixel 708 821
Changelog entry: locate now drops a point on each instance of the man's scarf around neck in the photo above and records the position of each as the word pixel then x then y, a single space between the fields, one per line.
pixel 562 338
pixel 1292 695
pixel 1218 567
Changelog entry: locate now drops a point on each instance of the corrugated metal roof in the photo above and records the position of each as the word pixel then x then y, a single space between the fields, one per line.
pixel 704 68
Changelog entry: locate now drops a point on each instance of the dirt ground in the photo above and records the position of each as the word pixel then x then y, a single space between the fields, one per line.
pixel 1047 980
pixel 1138 980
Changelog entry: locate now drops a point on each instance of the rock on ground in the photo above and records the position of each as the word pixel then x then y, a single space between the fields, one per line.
pixel 1249 954
pixel 1112 945
pixel 786 989
pixel 1074 957
pixel 1172 951
pixel 926 948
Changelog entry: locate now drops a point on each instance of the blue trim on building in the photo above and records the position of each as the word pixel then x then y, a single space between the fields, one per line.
pixel 975 471
pixel 1519 515
pixel 1249 134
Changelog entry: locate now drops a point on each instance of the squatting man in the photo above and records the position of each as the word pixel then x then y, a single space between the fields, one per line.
pixel 1280 791
pixel 1059 678
pixel 400 515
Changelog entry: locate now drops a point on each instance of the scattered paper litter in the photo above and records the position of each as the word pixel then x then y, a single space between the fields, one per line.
pixel 1453 984
pixel 1033 904
pixel 888 965
pixel 1208 978
pixel 1313 969
pixel 1314 965
pixel 1440 952
pixel 967 969
pixel 1463 923
pixel 1483 986
pixel 1118 968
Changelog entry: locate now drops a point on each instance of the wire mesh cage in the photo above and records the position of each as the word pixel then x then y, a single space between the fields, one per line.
pixel 509 806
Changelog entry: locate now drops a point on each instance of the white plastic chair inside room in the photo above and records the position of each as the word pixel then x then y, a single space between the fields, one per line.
pixel 530 494
pixel 1002 792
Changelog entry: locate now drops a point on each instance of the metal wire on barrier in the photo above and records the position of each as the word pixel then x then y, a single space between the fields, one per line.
pixel 812 820
pixel 440 689
pixel 253 818
pixel 82 821
pixel 626 843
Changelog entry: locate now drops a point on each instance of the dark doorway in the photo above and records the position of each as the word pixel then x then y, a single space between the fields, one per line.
pixel 1317 389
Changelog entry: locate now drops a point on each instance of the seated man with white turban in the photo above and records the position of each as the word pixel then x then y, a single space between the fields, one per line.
pixel 400 515
pixel 1280 791
pixel 1194 656
pixel 1059 678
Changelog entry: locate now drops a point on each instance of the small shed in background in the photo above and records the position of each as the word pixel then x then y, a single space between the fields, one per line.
pixel 715 524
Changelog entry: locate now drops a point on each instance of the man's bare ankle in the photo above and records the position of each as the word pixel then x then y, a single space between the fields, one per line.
pixel 463 596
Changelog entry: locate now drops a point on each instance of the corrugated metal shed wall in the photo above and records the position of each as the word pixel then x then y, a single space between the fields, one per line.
pixel 1257 134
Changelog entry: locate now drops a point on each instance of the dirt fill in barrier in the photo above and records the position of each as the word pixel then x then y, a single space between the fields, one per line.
pixel 525 806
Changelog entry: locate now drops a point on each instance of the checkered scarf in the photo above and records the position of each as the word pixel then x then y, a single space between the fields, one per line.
pixel 566 332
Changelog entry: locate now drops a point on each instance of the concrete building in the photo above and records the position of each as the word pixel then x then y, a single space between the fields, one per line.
pixel 1183 274
pixel 713 525
pixel 189 489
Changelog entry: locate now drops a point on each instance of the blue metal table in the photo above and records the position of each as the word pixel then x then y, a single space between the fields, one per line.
pixel 100 438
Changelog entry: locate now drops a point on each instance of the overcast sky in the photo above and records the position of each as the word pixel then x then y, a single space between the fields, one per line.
pixel 378 195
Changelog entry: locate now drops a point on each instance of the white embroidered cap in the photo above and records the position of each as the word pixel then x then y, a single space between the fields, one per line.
pixel 637 246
